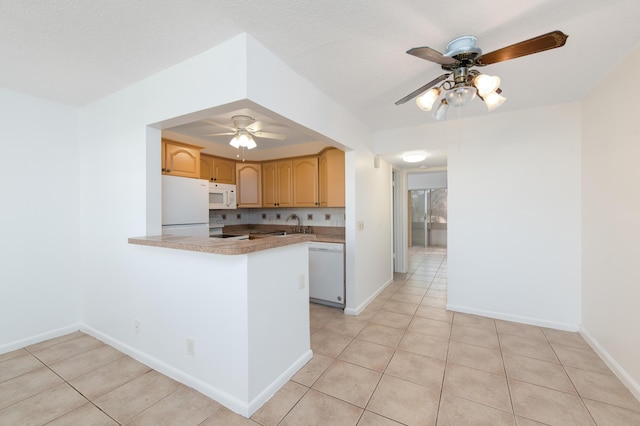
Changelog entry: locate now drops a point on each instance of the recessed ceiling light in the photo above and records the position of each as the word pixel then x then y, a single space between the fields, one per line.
pixel 413 158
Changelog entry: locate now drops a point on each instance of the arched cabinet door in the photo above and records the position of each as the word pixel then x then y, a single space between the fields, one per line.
pixel 249 184
pixel 181 159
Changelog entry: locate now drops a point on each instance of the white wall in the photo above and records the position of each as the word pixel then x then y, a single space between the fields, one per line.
pixel 39 243
pixel 514 217
pixel 610 220
pixel 372 229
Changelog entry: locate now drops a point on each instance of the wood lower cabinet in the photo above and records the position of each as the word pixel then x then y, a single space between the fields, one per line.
pixel 180 159
pixel 249 185
pixel 277 184
pixel 331 175
pixel 305 182
pixel 217 169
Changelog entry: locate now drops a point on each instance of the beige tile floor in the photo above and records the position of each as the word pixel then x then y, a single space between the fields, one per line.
pixel 404 360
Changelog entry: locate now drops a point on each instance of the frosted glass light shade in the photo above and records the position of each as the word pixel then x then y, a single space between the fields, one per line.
pixel 486 84
pixel 235 142
pixel 426 100
pixel 250 142
pixel 441 112
pixel 494 100
pixel 461 95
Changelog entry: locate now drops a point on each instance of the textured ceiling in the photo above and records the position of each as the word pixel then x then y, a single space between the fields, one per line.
pixel 76 51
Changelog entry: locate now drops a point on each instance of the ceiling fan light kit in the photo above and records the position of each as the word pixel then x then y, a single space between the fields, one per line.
pixel 460 56
pixel 460 95
pixel 244 129
pixel 243 140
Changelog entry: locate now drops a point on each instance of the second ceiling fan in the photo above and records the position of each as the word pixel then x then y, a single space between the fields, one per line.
pixel 244 129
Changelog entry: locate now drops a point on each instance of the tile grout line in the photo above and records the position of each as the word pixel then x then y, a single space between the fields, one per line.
pixel 72 387
pixel 506 376
pixel 571 380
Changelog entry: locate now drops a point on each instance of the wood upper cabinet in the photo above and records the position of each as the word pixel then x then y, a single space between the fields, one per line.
pixel 217 169
pixel 249 184
pixel 277 184
pixel 206 167
pixel 180 159
pixel 305 182
pixel 331 174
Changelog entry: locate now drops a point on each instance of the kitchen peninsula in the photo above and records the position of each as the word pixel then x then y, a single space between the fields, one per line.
pixel 230 318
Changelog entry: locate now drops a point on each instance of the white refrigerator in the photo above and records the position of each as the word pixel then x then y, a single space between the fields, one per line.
pixel 185 206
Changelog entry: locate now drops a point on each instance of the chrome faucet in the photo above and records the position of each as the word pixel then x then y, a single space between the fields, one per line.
pixel 295 216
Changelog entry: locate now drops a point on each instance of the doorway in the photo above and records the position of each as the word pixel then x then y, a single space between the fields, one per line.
pixel 428 217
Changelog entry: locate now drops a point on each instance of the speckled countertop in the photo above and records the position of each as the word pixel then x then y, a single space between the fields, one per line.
pixel 220 245
pixel 262 241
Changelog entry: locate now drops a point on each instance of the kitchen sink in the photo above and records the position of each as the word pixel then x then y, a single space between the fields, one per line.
pixel 258 235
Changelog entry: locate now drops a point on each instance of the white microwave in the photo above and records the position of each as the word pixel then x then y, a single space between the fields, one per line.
pixel 222 196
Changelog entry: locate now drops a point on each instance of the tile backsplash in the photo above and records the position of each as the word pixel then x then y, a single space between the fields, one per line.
pixel 329 216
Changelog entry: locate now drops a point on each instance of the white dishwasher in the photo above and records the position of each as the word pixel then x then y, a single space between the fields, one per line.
pixel 326 273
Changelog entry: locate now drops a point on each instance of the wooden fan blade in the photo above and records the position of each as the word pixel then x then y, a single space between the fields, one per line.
pixel 269 135
pixel 431 55
pixel 538 44
pixel 423 89
pixel 213 123
pixel 221 134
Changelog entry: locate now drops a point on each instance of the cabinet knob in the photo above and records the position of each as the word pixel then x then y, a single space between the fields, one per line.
pixel 164 170
pixel 168 170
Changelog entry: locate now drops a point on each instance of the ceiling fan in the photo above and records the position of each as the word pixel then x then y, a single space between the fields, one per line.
pixel 244 129
pixel 461 55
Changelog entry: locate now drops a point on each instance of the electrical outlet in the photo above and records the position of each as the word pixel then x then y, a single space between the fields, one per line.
pixel 264 215
pixel 277 215
pixel 136 326
pixel 301 281
pixel 327 216
pixel 191 347
pixel 309 216
pixel 238 216
pixel 360 225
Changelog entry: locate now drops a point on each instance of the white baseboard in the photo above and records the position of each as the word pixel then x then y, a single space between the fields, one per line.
pixel 19 344
pixel 236 405
pixel 617 369
pixel 275 386
pixel 514 318
pixel 357 310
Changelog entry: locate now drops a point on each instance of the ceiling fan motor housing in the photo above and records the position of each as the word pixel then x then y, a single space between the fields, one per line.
pixel 242 121
pixel 463 45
